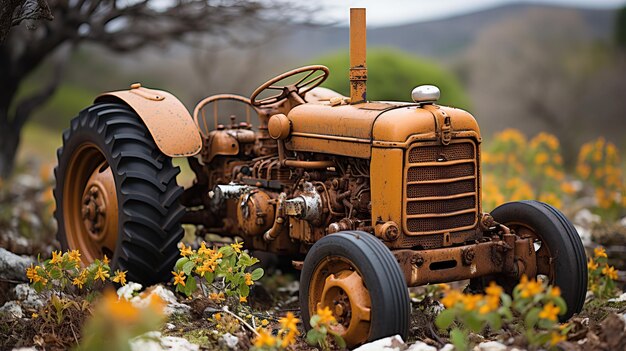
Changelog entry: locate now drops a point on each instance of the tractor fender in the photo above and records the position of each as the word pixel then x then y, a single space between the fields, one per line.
pixel 167 119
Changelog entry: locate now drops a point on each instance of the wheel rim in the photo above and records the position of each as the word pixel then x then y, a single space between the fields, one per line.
pixel 90 207
pixel 338 285
pixel 545 268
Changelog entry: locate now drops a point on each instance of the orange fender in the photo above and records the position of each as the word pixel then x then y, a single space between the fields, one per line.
pixel 167 119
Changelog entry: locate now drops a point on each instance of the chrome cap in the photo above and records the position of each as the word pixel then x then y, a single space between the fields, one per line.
pixel 425 94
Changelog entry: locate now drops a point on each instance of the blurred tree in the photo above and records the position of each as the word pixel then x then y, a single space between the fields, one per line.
pixel 13 12
pixel 540 70
pixel 620 28
pixel 120 26
pixel 392 75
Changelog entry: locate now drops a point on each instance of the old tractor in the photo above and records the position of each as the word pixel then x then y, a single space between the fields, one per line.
pixel 365 198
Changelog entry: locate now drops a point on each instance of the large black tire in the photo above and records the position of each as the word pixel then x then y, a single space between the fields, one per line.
pixel 564 245
pixel 149 212
pixel 381 275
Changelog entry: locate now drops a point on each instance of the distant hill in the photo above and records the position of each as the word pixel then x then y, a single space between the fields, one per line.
pixel 438 38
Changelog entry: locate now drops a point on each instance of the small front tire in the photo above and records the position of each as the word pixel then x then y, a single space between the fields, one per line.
pixel 358 278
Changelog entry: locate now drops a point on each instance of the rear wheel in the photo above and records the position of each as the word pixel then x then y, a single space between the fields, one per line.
pixel 116 194
pixel 561 258
pixel 359 280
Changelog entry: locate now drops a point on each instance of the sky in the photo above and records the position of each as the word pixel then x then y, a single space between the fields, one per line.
pixel 393 12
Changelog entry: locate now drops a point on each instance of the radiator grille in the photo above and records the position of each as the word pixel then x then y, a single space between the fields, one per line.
pixel 441 188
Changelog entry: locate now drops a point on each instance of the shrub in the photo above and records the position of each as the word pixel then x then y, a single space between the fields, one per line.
pixel 392 75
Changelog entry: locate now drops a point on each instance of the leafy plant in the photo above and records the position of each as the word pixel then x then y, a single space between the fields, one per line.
pixel 285 337
pixel 225 268
pixel 601 276
pixel 323 325
pixel 64 273
pixel 534 305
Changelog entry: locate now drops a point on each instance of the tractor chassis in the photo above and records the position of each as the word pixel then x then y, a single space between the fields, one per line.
pixel 508 254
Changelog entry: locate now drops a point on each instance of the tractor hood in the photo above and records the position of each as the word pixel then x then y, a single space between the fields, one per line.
pixel 352 130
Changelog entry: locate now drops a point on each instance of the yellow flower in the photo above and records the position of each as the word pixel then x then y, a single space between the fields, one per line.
pixel 609 272
pixel 185 250
pixel 326 316
pixel 290 338
pixel 493 289
pixel 248 278
pixel 120 277
pixel 289 322
pixel 237 246
pixel 264 339
pixel 444 286
pixel 555 291
pixel 550 312
pixel 101 274
pixel 217 297
pixel 265 322
pixel 451 298
pixel 79 281
pixel 56 257
pixel 31 273
pixel 529 288
pixel 217 317
pixel 105 260
pixel 599 252
pixel 243 299
pixel 470 302
pixel 204 251
pixel 556 338
pixel 591 265
pixel 74 256
pixel 120 309
pixel 179 278
pixel 34 315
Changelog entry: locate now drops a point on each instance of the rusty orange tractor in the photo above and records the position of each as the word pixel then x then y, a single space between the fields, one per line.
pixel 366 198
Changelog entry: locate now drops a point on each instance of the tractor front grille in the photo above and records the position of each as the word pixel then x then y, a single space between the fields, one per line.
pixel 441 187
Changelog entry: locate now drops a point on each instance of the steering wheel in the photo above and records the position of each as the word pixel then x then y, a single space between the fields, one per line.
pixel 198 111
pixel 301 87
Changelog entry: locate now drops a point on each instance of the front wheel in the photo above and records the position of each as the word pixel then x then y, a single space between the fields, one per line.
pixel 561 258
pixel 116 194
pixel 356 276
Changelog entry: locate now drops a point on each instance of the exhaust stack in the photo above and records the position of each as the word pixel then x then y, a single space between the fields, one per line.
pixel 358 69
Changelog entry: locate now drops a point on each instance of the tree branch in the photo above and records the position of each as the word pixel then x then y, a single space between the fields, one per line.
pixel 29 104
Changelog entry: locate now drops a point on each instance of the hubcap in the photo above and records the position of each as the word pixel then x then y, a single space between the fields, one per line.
pixel 339 286
pixel 90 204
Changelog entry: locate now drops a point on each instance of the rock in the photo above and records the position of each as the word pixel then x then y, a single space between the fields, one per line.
pixel 392 343
pixel 230 340
pixel 170 326
pixel 586 218
pixel 128 291
pixel 11 310
pixel 421 346
pixel 620 298
pixel 585 234
pixel 12 266
pixel 154 341
pixel 447 347
pixel 167 296
pixel 490 346
pixel 28 297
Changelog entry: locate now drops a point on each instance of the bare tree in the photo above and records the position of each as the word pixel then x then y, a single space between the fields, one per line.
pixel 121 26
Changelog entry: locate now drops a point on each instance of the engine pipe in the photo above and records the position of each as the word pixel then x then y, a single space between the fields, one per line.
pixel 279 220
pixel 358 69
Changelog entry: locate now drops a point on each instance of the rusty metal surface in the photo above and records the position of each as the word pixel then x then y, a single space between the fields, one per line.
pixel 167 119
pixel 358 67
pixel 468 261
pixel 441 187
pixel 200 118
